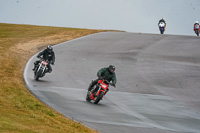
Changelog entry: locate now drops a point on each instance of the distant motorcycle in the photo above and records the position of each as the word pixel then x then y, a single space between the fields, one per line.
pixel 41 69
pixel 161 27
pixel 101 88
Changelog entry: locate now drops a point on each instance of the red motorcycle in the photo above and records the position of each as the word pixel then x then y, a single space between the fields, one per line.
pixel 101 89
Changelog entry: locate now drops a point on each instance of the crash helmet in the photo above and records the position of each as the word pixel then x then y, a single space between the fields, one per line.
pixel 196 22
pixel 111 68
pixel 49 48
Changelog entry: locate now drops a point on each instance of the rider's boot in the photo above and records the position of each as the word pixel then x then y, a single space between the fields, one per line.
pixel 49 71
pixel 46 71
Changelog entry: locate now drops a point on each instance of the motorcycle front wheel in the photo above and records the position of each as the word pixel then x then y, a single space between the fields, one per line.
pixel 37 75
pixel 161 32
pixel 98 98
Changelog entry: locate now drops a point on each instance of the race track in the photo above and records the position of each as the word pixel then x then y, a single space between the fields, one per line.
pixel 158 88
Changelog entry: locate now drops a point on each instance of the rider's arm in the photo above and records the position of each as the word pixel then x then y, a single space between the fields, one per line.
pixel 101 71
pixel 41 53
pixel 53 57
pixel 114 80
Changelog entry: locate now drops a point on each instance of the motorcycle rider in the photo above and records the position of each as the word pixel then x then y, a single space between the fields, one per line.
pixel 47 54
pixel 107 73
pixel 196 26
pixel 161 24
pixel 161 20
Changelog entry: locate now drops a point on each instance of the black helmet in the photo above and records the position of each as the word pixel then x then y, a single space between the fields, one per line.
pixel 49 48
pixel 111 68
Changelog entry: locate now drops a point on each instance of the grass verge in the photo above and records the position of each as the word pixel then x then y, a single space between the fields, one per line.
pixel 21 112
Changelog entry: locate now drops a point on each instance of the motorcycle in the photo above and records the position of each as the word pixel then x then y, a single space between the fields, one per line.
pixel 161 27
pixel 41 69
pixel 101 89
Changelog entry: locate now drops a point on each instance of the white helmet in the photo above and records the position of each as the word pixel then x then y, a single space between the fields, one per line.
pixel 196 22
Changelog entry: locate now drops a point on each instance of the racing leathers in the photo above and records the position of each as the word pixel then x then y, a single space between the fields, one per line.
pixel 46 55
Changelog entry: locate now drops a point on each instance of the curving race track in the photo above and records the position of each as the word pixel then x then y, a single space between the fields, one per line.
pixel 158 88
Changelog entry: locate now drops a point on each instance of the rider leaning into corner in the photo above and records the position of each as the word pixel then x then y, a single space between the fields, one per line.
pixel 108 74
pixel 47 54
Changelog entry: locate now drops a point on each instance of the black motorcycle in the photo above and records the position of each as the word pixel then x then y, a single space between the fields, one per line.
pixel 41 69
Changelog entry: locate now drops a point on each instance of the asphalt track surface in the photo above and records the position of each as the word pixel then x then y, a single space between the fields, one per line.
pixel 158 88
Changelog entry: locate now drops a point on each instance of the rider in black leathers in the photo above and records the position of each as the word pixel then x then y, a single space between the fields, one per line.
pixel 47 54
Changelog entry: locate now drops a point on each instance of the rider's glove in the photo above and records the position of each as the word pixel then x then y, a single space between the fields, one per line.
pixel 112 84
pixel 52 63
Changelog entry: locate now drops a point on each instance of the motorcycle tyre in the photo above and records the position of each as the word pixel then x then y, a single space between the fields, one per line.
pixel 37 75
pixel 197 32
pixel 98 98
